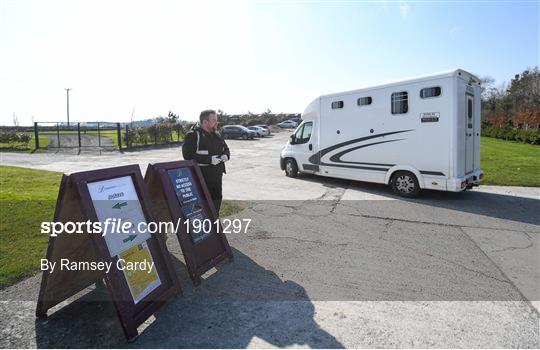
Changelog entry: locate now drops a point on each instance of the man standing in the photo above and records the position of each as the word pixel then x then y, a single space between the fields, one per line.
pixel 206 146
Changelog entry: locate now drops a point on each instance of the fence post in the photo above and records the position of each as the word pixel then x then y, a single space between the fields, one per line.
pixel 79 133
pixel 128 141
pixel 119 136
pixel 98 135
pixel 155 133
pixel 36 135
pixel 58 134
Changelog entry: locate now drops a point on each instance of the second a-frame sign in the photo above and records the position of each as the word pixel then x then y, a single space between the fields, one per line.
pixel 140 277
pixel 179 195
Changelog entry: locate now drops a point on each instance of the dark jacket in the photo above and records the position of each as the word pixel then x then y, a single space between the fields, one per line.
pixel 209 144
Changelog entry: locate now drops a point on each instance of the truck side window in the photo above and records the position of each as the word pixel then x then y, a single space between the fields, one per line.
pixel 400 102
pixel 306 132
pixel 298 135
pixel 470 113
pixel 430 92
pixel 364 101
pixel 337 104
pixel 303 134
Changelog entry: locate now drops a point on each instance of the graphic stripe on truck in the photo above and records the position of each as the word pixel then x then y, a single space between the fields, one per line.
pixel 315 159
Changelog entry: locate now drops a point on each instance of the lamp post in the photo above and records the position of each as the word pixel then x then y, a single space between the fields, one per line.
pixel 67 95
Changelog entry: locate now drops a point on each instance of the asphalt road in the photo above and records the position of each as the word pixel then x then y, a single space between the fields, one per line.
pixel 326 263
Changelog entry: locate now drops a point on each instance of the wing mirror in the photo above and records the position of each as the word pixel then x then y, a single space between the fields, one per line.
pixel 293 139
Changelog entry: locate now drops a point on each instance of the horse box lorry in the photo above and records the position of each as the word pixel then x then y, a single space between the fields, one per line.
pixel 420 133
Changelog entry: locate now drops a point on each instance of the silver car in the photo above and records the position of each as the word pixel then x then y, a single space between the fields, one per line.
pixel 261 132
pixel 288 124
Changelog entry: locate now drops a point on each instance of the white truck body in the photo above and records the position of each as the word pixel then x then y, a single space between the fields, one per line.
pixel 429 126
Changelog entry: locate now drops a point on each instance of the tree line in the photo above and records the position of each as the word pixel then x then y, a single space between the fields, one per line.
pixel 512 110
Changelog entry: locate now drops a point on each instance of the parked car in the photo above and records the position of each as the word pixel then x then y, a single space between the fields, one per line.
pixel 264 126
pixel 288 124
pixel 261 132
pixel 237 131
pixel 297 120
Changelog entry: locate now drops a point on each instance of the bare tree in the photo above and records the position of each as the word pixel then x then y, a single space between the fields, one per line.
pixel 487 86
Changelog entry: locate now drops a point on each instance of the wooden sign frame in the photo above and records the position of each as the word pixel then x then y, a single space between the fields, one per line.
pixel 202 256
pixel 75 204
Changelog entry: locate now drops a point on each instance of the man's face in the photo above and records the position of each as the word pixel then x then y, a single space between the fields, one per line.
pixel 211 123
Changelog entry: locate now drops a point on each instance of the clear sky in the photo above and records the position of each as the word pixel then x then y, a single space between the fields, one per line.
pixel 148 57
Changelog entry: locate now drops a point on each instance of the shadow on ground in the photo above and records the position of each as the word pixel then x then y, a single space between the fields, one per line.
pixel 491 205
pixel 235 303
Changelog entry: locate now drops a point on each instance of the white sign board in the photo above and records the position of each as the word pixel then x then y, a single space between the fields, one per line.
pixel 118 199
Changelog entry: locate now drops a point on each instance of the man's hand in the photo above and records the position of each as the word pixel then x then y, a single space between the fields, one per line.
pixel 224 158
pixel 216 160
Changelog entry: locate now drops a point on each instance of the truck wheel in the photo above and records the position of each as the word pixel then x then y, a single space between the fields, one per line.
pixel 291 169
pixel 244 137
pixel 405 184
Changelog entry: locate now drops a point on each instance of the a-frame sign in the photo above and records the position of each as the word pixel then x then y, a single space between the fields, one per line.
pixel 179 195
pixel 141 277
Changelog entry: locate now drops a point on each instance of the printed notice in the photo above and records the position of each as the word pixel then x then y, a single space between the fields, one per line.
pixel 139 271
pixel 118 199
pixel 190 201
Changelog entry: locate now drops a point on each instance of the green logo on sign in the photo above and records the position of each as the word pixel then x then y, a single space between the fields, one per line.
pixel 119 205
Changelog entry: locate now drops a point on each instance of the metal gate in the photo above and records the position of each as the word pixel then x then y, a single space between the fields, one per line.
pixel 98 135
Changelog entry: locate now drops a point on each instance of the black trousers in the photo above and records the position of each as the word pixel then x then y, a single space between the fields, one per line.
pixel 213 177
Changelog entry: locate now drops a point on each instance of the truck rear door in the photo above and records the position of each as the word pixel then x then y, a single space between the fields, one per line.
pixel 470 121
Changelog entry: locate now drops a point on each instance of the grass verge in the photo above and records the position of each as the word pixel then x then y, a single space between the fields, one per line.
pixel 27 198
pixel 509 163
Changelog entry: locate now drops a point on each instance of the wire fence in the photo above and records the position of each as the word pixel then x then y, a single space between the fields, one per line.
pixel 90 135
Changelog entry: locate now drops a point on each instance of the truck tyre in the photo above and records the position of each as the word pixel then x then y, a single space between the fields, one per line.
pixel 405 184
pixel 291 169
pixel 244 137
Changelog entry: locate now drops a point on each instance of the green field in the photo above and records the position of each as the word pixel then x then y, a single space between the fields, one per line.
pixel 509 163
pixel 27 198
pixel 111 134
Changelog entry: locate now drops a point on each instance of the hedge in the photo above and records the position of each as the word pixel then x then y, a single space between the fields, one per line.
pixel 153 134
pixel 11 137
pixel 523 136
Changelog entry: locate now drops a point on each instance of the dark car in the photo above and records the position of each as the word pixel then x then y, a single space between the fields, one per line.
pixel 237 131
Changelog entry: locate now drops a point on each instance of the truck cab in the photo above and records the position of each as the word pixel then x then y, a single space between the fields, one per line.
pixel 297 154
